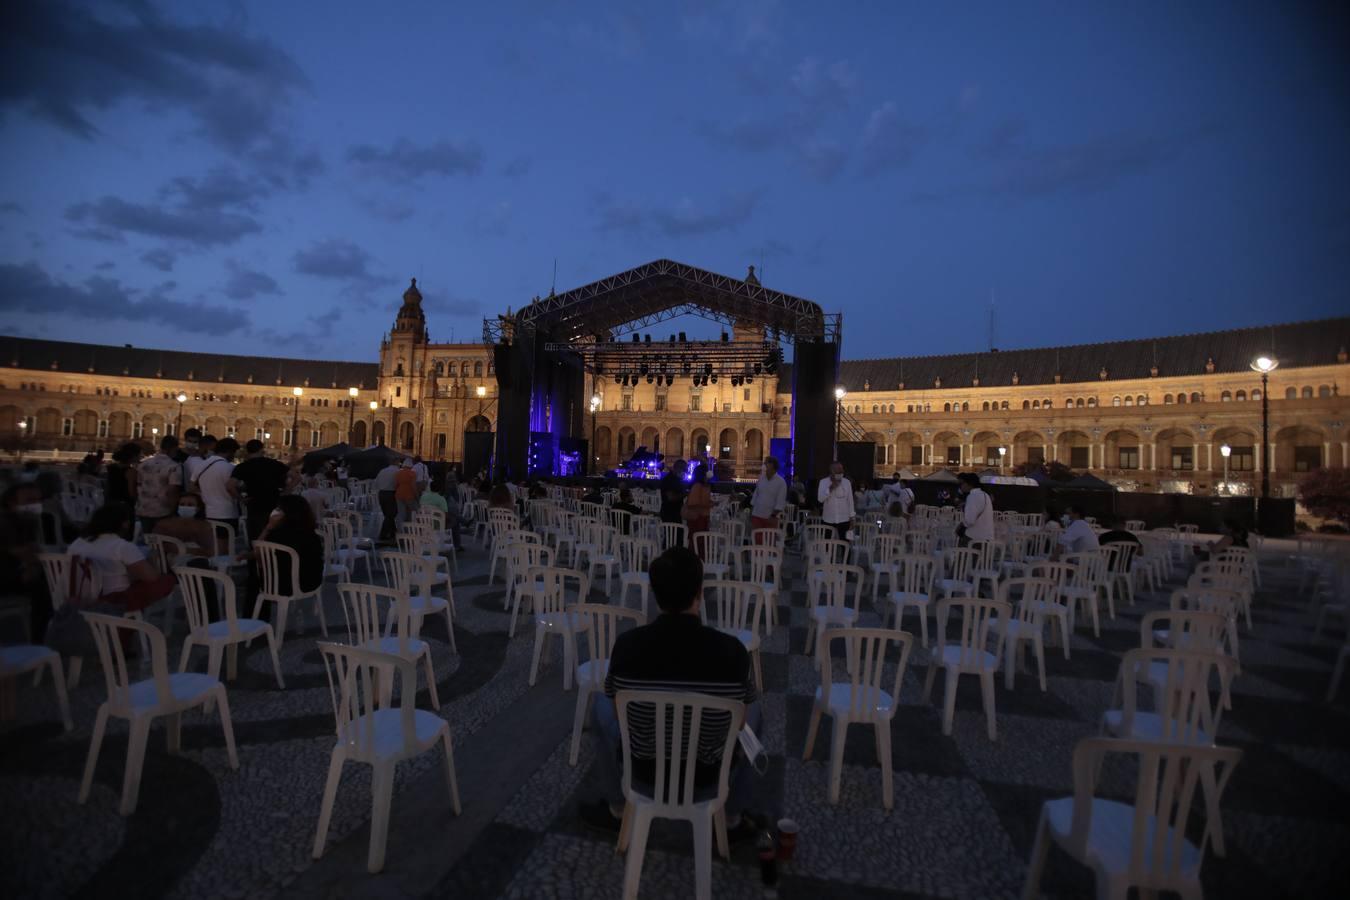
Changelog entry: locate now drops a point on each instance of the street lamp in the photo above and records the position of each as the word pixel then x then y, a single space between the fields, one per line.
pixel 839 393
pixel 595 407
pixel 351 412
pixel 481 391
pixel 1265 365
pixel 1002 454
pixel 1225 451
pixel 178 429
pixel 295 420
pixel 374 405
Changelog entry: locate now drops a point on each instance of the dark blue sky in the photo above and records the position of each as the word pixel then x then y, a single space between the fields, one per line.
pixel 261 178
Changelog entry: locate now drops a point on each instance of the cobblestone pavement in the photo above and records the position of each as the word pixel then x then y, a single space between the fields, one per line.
pixel 965 807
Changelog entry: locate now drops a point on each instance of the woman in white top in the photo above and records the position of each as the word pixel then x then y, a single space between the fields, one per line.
pixel 977 517
pixel 117 569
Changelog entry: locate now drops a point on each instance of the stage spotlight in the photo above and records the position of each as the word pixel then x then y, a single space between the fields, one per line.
pixel 758 368
pixel 642 369
pixel 637 338
pixel 714 378
pixel 650 378
pixel 646 339
pixel 726 338
pixel 670 379
pixel 707 368
pixel 672 338
pixel 683 339
pixel 749 379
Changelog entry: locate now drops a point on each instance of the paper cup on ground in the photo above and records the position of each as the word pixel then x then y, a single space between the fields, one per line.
pixel 787 839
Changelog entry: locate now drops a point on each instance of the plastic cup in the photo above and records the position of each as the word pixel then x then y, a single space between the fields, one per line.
pixel 787 839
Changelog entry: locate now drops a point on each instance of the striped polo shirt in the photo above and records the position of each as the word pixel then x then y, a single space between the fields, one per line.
pixel 677 652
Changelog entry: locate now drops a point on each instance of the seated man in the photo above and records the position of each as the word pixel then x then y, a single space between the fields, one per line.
pixel 676 652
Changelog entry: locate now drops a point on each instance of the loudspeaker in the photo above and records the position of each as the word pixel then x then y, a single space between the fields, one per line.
pixel 857 457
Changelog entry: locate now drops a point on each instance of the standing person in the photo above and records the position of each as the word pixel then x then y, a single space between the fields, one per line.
pixel 835 496
pixel 215 482
pixel 405 491
pixel 341 474
pixel 20 543
pixel 384 490
pixel 261 480
pixel 770 497
pixel 159 481
pixel 120 477
pixel 1078 534
pixel 188 448
pixel 315 496
pixel 193 465
pixel 698 505
pixel 420 473
pixel 977 517
pixel 672 492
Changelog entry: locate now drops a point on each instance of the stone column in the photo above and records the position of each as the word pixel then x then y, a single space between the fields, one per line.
pixel 1326 453
pixel 1345 454
pixel 1153 457
pixel 1209 456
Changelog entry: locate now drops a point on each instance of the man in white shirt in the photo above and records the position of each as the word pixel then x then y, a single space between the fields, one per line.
pixel 421 474
pixel 835 496
pixel 770 497
pixel 1079 536
pixel 193 465
pixel 978 515
pixel 899 492
pixel 215 481
pixel 384 492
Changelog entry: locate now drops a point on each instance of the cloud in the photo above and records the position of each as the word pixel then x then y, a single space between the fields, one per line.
pixel 405 161
pixel 107 217
pixel 771 249
pixel 447 304
pixel 1003 140
pixel 106 265
pixel 339 260
pixel 243 283
pixel 67 63
pixel 1083 167
pixel 822 158
pixel 29 288
pixel 10 206
pixel 889 141
pixel 684 219
pixel 517 167
pixel 305 339
pixel 160 259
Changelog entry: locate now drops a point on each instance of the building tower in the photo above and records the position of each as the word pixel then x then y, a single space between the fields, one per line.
pixel 402 364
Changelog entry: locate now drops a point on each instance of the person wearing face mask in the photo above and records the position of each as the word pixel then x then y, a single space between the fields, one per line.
pixel 835 496
pixel 977 516
pixel 191 527
pixel 1078 534
pixel 125 578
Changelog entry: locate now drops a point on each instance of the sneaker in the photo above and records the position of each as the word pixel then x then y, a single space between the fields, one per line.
pixel 597 815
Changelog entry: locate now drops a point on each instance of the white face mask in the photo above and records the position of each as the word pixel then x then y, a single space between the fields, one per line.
pixel 1064 520
pixel 33 509
pixel 187 512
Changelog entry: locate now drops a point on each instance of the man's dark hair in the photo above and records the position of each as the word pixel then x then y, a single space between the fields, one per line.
pixel 677 577
pixel 1074 510
pixel 168 443
pixel 193 434
pixel 771 462
pixel 226 447
pixel 969 478
pixel 253 446
pixel 207 439
pixel 108 519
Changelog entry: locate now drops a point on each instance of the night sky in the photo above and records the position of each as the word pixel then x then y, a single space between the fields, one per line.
pixel 264 178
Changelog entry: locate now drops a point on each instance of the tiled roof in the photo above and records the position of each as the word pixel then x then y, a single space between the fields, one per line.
pixel 1296 345
pixel 180 366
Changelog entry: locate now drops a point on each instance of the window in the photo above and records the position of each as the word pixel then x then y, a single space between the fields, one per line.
pixel 1047 405
pixel 137 430
pixel 477 369
pixel 1035 404
pixel 257 434
pixel 1256 394
pixel 1129 401
pixel 965 407
pixel 169 428
pixel 1181 398
pixel 229 430
pixel 991 456
pixel 1115 401
pixel 1307 458
pixel 695 403
pixel 1167 399
pixel 1291 394
pixel 1141 400
pixel 875 408
pixel 1242 459
pixel 1197 397
pixel 67 427
pixel 102 428
pixel 726 407
pixel 398 391
pixel 627 402
pixel 909 408
pixel 660 402
pixel 1026 404
pixel 314 438
pixel 953 456
pixel 1225 397
pixel 1005 404
pixel 1092 402
pixel 1182 459
pixel 916 455
pixel 1080 403
pixel 747 399
pixel 985 407
pixel 1078 457
pixel 286 436
pixel 1036 455
pixel 1240 396
pixel 891 408
pixel 946 407
pixel 1129 458
pixel 1324 390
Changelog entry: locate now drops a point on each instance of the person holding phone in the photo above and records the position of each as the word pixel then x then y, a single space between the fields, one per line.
pixel 835 495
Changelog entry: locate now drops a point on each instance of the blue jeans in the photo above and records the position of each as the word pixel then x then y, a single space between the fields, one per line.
pixel 605 727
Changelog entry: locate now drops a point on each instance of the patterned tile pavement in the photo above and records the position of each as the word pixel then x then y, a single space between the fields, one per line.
pixel 964 817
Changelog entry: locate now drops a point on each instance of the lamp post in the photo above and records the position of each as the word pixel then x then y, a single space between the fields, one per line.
pixel 351 413
pixel 178 429
pixel 374 405
pixel 595 407
pixel 1225 451
pixel 1265 365
pixel 839 393
pixel 1002 455
pixel 481 391
pixel 295 419
pixel 23 433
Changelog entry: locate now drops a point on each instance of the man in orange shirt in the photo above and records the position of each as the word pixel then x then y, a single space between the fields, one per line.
pixel 405 491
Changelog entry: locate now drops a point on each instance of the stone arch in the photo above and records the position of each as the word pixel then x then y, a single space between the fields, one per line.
pixel 1174 446
pixel 1066 442
pixel 1117 440
pixel 1298 448
pixel 754 446
pixel 984 448
pixel 651 438
pixel 478 423
pixel 10 416
pixel 1029 447
pixel 358 438
pixel 726 443
pixel 329 433
pixel 905 444
pixel 698 442
pixel 627 442
pixel 407 435
pixel 153 426
pixel 947 450
pixel 86 423
pixel 604 446
pixel 119 424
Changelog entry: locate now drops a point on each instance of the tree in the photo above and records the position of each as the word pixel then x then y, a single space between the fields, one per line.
pixel 1326 493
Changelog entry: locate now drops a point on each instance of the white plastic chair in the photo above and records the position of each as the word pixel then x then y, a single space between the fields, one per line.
pixel 597 547
pixel 378 737
pixel 969 656
pixel 862 699
pixel 20 659
pixel 957 578
pixel 546 587
pixel 714 548
pixel 224 636
pixel 56 571
pixel 679 721
pixel 141 702
pixel 1141 845
pixel 269 563
pixel 1089 579
pixel 413 576
pixel 738 610
pixel 635 558
pixel 520 558
pixel 1184 711
pixel 828 602
pixel 913 581
pixel 988 565
pixel 1052 607
pixel 764 567
pixel 380 619
pixel 605 623
pixel 673 534
pixel 1026 625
